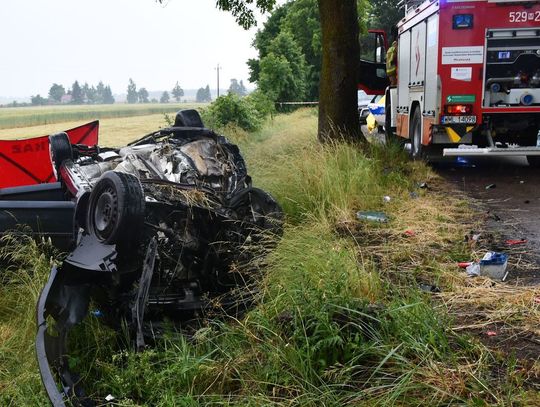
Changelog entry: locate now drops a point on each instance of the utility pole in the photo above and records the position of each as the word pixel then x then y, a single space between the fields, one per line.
pixel 218 68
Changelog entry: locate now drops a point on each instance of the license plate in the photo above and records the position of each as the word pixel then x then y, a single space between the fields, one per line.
pixel 459 120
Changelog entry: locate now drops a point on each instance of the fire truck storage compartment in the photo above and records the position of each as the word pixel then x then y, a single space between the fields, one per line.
pixel 512 68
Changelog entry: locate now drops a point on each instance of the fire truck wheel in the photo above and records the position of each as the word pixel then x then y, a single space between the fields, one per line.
pixel 415 135
pixel 534 161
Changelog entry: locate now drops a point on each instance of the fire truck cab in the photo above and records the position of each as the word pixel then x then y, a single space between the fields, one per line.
pixel 468 80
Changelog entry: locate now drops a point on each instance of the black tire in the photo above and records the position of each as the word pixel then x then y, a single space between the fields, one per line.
pixel 60 150
pixel 116 208
pixel 534 161
pixel 415 136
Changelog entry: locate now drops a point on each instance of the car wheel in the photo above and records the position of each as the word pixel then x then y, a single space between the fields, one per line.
pixel 415 136
pixel 116 208
pixel 60 150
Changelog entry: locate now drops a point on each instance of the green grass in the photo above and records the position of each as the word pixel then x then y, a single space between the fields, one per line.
pixel 20 285
pixel 341 320
pixel 35 116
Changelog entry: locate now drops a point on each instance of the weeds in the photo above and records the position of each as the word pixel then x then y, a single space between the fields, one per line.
pixel 20 285
pixel 340 320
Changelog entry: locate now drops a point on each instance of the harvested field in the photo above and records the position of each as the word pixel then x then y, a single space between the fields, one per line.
pixel 17 117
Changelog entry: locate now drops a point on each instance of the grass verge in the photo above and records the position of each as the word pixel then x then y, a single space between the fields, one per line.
pixel 341 321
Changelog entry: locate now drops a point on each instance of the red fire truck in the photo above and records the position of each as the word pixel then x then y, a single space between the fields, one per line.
pixel 468 76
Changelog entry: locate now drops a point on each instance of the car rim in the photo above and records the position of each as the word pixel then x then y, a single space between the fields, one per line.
pixel 105 213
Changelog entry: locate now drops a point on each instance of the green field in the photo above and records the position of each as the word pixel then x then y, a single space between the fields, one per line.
pixel 35 116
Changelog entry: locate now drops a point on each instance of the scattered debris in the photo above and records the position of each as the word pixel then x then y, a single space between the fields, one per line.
pixel 472 238
pixel 429 288
pixel 109 397
pixel 493 265
pixel 372 216
pixel 491 333
pixel 514 242
pixel 413 195
pixel 473 269
pixel 386 198
pixel 409 233
pixel 423 185
pixel 464 264
pixel 491 186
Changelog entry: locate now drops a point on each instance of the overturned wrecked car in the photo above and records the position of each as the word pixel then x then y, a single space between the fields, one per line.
pixel 162 228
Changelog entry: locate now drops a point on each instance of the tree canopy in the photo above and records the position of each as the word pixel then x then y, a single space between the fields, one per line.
pixel 132 94
pixel 143 95
pixel 244 10
pixel 283 72
pixel 76 94
pixel 177 92
pixel 384 14
pixel 56 92
pixel 300 20
pixel 237 88
pixel 164 97
pixel 204 95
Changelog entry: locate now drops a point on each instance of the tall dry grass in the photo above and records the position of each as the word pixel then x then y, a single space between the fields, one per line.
pixel 341 320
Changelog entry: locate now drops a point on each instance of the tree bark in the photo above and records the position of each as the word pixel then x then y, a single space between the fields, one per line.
pixel 338 99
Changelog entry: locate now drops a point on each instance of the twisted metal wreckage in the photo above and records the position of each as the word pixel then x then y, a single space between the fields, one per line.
pixel 159 228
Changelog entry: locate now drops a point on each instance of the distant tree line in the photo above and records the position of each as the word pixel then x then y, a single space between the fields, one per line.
pixel 76 95
pixel 237 88
pixel 102 94
pixel 135 95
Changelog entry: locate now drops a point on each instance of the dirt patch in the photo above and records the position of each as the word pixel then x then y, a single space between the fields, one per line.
pixel 505 194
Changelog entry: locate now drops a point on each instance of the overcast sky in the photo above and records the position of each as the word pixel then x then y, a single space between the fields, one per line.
pixel 46 41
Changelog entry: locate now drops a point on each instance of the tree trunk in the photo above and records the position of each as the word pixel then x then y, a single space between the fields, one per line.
pixel 338 99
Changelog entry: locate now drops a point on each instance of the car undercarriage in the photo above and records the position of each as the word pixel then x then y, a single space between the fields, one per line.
pixel 159 229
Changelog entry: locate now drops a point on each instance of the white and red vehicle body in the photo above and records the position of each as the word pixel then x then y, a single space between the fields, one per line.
pixel 469 71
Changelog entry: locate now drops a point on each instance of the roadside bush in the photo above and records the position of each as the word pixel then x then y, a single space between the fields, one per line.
pixel 247 113
pixel 264 106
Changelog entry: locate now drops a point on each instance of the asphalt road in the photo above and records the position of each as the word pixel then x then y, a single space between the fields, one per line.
pixel 509 192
